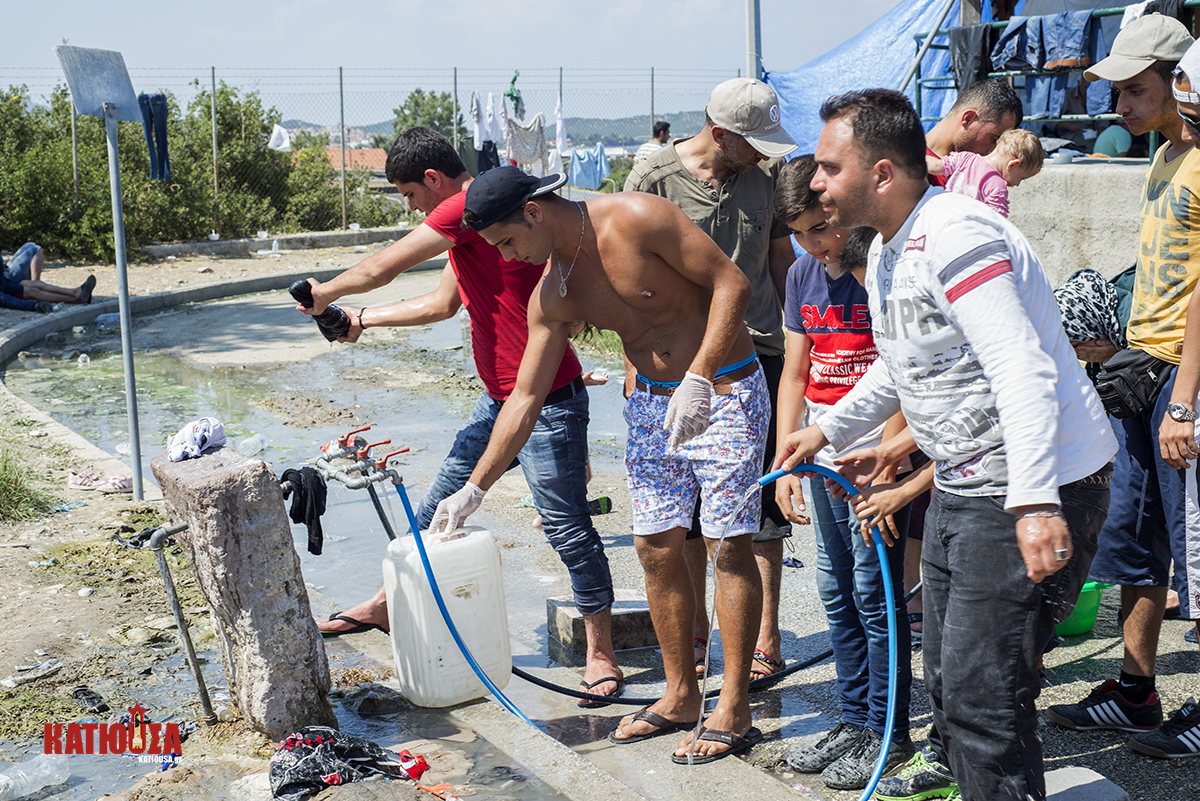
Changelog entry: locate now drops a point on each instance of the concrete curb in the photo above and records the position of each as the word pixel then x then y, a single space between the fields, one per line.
pixel 302 241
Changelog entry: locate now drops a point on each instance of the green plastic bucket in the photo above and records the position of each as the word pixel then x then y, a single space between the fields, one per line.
pixel 1083 618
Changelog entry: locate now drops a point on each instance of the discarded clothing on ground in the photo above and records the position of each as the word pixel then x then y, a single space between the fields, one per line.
pixel 308 503
pixel 195 438
pixel 316 757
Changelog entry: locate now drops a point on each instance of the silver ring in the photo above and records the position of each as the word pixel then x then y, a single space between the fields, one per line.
pixel 1060 554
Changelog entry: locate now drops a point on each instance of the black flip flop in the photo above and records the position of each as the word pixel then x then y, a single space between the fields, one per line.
pixel 85 291
pixel 358 626
pixel 585 687
pixel 654 719
pixel 737 745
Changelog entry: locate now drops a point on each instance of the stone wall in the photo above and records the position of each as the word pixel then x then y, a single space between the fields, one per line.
pixel 1083 214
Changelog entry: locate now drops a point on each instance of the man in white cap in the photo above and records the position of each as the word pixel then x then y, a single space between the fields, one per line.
pixel 1153 518
pixel 723 179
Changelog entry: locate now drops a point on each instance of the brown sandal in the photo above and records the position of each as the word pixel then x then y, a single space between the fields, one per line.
pixel 763 658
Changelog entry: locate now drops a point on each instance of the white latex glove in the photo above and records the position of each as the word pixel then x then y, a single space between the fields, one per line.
pixel 688 411
pixel 452 511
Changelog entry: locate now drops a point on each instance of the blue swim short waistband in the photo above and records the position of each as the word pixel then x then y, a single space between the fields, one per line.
pixel 726 370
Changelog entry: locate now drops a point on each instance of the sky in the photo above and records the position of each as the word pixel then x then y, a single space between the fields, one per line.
pixel 280 44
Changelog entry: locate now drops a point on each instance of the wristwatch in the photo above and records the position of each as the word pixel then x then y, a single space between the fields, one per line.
pixel 1180 413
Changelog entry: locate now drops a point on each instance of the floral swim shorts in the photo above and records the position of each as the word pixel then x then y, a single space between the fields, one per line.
pixel 723 464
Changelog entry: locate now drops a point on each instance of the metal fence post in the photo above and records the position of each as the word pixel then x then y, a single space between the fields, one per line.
pixel 216 183
pixel 652 98
pixel 75 156
pixel 454 115
pixel 342 112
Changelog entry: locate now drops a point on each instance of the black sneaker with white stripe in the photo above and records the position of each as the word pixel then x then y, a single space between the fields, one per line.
pixel 1178 737
pixel 1106 708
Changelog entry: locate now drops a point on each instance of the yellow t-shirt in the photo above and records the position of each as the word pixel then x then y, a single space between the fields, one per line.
pixel 1168 254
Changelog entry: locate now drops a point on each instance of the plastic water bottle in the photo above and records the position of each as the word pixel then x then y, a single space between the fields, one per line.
pixel 44 770
pixel 274 245
pixel 252 445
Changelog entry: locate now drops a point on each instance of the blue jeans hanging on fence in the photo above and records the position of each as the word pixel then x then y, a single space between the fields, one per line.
pixel 154 126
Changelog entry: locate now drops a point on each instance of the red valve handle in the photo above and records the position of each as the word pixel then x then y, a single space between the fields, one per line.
pixel 345 438
pixel 366 449
pixel 380 464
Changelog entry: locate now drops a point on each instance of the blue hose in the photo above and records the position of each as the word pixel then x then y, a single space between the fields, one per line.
pixel 890 601
pixel 437 596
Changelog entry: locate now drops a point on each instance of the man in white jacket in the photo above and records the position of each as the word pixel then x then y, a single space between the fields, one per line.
pixel 972 350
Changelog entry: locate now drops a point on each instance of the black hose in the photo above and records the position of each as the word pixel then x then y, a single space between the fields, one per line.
pixel 756 685
pixel 387 526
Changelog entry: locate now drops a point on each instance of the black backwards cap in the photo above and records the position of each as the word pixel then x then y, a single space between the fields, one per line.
pixel 500 191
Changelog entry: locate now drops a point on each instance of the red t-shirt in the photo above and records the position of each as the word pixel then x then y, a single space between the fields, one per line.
pixel 936 180
pixel 496 293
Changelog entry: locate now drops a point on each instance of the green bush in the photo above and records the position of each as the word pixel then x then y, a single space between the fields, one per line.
pixel 259 188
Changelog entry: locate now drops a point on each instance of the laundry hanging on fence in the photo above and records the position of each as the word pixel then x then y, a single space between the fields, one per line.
pixel 280 140
pixel 476 121
pixel 560 132
pixel 527 144
pixel 491 116
pixel 154 126
pixel 589 168
pixel 489 157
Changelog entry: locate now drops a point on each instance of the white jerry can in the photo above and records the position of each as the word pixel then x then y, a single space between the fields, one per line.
pixel 432 670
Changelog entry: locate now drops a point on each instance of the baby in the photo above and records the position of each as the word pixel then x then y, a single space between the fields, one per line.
pixel 1018 155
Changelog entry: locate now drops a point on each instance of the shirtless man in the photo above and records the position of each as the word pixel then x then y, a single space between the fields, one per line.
pixel 635 264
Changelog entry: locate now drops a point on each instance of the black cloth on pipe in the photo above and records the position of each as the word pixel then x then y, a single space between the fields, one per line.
pixel 308 503
pixel 969 54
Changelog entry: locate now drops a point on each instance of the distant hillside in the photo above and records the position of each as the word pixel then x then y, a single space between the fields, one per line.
pixel 583 131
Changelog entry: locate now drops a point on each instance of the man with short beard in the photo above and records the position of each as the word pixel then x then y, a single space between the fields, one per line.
pixel 983 111
pixel 972 351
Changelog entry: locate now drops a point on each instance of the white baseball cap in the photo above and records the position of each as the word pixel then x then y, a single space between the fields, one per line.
pixel 750 109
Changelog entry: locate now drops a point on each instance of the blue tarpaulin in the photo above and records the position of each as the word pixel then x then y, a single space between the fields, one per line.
pixel 878 56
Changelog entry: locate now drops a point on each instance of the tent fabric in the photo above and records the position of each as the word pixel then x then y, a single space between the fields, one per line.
pixel 878 56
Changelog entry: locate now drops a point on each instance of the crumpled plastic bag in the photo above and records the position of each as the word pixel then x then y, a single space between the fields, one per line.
pixel 195 438
pixel 280 140
pixel 316 757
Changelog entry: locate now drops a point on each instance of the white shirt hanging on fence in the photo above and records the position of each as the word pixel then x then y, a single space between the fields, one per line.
pixel 492 119
pixel 527 144
pixel 280 140
pixel 477 121
pixel 560 134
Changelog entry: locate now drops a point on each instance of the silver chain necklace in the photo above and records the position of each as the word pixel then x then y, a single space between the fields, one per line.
pixel 562 277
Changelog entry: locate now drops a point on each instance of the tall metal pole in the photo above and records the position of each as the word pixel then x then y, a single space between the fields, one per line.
pixel 753 41
pixel 454 117
pixel 114 180
pixel 216 182
pixel 652 98
pixel 342 108
pixel 75 156
pixel 912 70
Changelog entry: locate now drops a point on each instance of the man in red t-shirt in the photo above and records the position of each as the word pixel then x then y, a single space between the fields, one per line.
pixel 983 111
pixel 427 171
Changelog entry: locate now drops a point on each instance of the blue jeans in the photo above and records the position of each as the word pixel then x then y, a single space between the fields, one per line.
pixel 554 462
pixel 985 625
pixel 154 121
pixel 18 267
pixel 20 304
pixel 849 581
pixel 1147 528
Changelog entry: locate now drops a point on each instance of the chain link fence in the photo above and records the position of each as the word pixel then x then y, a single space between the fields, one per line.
pixel 349 114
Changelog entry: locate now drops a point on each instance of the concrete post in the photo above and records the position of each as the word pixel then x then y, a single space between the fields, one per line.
pixel 239 545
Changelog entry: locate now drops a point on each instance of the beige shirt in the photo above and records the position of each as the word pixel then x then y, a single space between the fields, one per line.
pixel 739 218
